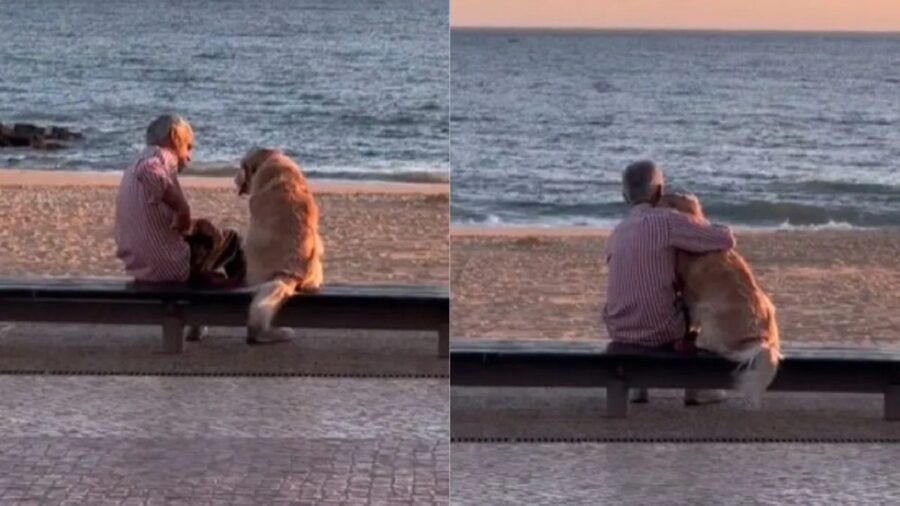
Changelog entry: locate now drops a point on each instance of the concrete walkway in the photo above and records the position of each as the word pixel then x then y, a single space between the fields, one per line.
pixel 675 474
pixel 232 441
pixel 568 413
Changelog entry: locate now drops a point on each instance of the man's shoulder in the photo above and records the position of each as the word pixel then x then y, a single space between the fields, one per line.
pixel 663 212
pixel 153 158
pixel 648 215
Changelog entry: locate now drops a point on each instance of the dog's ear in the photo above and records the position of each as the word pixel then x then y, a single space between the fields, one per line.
pixel 657 196
pixel 250 163
pixel 694 205
pixel 240 181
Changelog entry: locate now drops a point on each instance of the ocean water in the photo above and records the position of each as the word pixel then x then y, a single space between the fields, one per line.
pixel 351 88
pixel 769 130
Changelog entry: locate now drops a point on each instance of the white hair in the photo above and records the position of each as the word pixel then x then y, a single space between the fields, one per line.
pixel 640 182
pixel 159 131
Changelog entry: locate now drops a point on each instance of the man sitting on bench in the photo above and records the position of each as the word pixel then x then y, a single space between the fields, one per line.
pixel 642 305
pixel 156 238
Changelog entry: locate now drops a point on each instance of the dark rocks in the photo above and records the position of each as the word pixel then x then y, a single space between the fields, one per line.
pixel 24 135
pixel 27 130
pixel 64 134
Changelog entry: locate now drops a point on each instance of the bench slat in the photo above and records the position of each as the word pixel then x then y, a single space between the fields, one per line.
pixel 174 305
pixel 545 350
pixel 93 288
pixel 579 364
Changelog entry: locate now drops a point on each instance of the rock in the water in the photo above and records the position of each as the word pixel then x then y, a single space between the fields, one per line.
pixel 63 134
pixel 27 130
pixel 28 135
pixel 45 145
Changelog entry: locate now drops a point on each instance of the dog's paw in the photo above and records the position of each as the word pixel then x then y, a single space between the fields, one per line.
pixel 252 334
pixel 256 336
pixel 196 334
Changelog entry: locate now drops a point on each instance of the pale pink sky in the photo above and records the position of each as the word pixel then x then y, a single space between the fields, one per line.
pixel 850 15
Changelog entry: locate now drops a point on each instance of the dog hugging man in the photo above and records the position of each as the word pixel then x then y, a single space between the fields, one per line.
pixel 643 306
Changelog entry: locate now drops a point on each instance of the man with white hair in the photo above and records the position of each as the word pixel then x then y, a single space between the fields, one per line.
pixel 156 238
pixel 642 304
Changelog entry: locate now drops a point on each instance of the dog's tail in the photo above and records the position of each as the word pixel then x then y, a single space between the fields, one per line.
pixel 759 363
pixel 268 299
pixel 757 373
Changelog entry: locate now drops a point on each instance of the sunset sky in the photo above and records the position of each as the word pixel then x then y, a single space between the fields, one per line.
pixel 849 15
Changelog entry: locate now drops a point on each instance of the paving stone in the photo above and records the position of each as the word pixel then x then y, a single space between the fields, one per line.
pixel 221 441
pixel 675 474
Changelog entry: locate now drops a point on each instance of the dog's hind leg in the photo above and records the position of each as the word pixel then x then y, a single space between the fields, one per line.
pixel 265 305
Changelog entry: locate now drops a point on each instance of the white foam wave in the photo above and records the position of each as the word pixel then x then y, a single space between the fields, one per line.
pixel 830 225
pixel 493 220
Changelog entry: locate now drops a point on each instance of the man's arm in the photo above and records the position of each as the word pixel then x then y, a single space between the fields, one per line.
pixel 161 188
pixel 688 235
pixel 174 198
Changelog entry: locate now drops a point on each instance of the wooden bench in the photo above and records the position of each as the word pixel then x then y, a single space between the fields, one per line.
pixel 174 306
pixel 618 368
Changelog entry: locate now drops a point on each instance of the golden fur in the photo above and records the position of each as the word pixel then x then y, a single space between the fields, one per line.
pixel 282 245
pixel 733 315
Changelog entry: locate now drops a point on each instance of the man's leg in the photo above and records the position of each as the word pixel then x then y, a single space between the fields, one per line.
pixel 212 250
pixel 229 256
pixel 638 395
pixel 693 396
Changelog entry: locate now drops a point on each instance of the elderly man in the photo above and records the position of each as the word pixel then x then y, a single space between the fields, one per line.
pixel 156 238
pixel 642 306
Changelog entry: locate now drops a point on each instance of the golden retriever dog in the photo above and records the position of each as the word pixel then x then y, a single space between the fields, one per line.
pixel 735 319
pixel 282 246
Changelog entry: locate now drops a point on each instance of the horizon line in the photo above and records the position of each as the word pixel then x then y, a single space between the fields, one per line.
pixel 589 29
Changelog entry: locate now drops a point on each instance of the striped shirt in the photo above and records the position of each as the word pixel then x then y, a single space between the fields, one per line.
pixel 145 240
pixel 641 302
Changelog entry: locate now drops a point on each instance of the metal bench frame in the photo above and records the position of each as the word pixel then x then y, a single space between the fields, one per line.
pixel 175 306
pixel 577 364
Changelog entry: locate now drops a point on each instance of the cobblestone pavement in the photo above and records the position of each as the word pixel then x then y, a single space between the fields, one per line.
pixel 98 440
pixel 675 474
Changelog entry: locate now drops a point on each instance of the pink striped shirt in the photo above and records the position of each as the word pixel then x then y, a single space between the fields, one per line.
pixel 146 242
pixel 641 303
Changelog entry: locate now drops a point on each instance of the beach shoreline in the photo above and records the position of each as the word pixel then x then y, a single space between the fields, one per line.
pixel 526 230
pixel 27 177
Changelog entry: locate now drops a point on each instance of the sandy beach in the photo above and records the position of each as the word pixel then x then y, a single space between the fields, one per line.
pixel 829 286
pixel 60 223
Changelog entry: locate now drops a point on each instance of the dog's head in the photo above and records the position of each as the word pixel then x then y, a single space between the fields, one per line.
pixel 250 165
pixel 682 202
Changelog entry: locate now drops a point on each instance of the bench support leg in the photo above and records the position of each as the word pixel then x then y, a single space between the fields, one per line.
pixel 892 403
pixel 444 341
pixel 616 399
pixel 173 334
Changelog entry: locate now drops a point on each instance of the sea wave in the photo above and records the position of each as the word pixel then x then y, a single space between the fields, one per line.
pixel 831 225
pixel 746 214
pixel 399 174
pixel 824 187
pixel 494 221
pixel 766 214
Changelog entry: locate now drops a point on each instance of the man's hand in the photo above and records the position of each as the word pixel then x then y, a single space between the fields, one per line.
pixel 181 220
pixel 685 346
